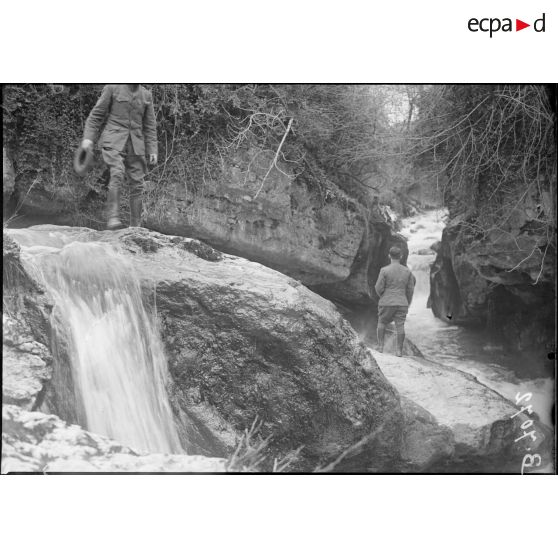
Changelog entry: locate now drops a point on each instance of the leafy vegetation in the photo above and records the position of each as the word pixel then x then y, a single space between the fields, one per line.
pixel 483 148
pixel 495 145
pixel 325 132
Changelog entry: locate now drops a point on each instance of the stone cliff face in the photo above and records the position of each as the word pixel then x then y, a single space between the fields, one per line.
pixel 303 225
pixel 504 283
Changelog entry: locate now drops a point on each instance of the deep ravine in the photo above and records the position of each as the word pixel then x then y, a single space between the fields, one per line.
pixel 465 349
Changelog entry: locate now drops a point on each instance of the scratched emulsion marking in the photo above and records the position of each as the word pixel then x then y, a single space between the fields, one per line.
pixel 529 460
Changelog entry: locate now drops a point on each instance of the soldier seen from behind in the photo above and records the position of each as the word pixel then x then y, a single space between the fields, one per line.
pixel 395 287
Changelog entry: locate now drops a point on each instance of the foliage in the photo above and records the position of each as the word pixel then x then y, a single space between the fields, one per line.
pixel 316 130
pixel 42 127
pixel 495 144
pixel 320 131
pixel 483 146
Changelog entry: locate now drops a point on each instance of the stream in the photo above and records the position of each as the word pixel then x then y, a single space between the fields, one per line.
pixel 466 349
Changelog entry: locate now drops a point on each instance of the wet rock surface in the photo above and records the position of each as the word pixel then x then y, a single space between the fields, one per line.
pixel 27 362
pixel 451 416
pixel 244 341
pixel 24 377
pixel 40 443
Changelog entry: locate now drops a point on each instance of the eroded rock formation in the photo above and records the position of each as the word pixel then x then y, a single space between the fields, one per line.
pixel 303 226
pixel 504 283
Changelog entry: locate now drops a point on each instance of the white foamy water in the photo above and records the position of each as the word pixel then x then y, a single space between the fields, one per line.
pixel 118 365
pixel 455 346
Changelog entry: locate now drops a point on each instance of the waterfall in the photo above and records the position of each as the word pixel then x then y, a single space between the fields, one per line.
pixel 111 344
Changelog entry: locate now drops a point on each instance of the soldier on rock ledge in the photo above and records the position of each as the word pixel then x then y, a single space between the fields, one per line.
pixel 129 135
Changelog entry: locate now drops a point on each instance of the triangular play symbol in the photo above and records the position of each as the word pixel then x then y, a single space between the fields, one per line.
pixel 519 25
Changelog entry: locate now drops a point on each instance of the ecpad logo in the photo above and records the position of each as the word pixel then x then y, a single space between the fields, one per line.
pixel 492 25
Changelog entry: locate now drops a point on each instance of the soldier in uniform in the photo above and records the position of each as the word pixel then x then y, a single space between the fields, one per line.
pixel 129 136
pixel 395 287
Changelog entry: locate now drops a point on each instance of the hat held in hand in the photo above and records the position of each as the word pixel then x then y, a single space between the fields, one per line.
pixel 83 159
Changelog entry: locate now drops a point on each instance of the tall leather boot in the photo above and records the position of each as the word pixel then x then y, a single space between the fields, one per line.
pixel 113 203
pixel 381 334
pixel 135 211
pixel 400 339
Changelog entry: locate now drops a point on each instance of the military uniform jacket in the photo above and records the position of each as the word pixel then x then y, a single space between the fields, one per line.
pixel 395 285
pixel 128 114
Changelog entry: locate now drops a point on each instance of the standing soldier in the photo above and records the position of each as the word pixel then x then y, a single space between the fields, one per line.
pixel 129 134
pixel 395 287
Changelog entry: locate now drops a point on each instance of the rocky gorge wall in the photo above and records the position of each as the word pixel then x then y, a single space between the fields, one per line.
pixel 304 225
pixel 496 264
pixel 504 283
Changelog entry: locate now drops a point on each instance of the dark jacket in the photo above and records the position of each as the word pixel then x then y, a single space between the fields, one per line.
pixel 129 114
pixel 395 285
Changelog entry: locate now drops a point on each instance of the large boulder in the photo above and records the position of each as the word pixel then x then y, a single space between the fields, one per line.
pixel 245 342
pixel 450 417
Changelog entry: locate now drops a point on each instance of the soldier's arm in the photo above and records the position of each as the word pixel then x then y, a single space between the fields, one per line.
pixel 410 288
pixel 150 127
pixel 98 114
pixel 380 283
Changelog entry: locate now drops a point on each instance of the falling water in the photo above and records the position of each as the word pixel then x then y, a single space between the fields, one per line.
pixel 117 361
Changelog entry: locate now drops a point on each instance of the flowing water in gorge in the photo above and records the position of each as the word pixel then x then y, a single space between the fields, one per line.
pixel 116 358
pixel 462 348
